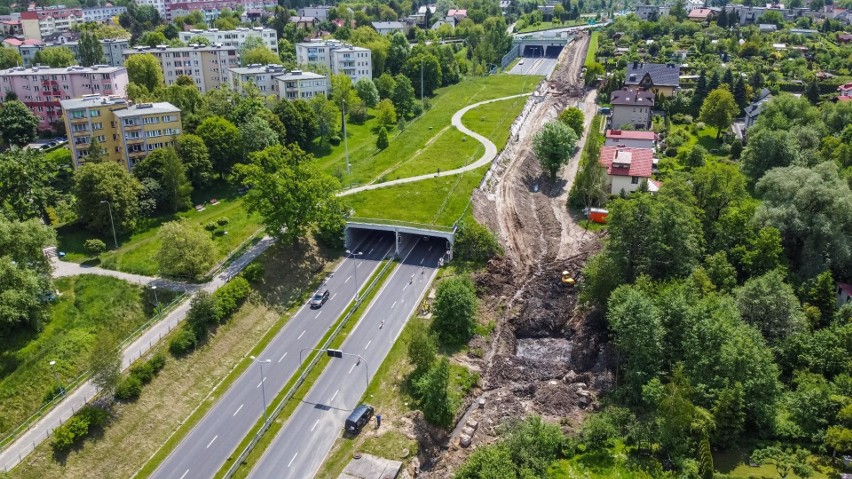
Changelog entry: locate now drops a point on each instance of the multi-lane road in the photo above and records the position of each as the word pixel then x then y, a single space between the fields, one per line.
pixel 206 448
pixel 303 443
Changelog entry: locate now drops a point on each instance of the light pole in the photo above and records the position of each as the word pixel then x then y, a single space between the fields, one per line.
pixel 111 222
pixel 262 385
pixel 156 299
pixel 56 377
pixel 345 142
pixel 355 267
pixel 336 353
pixel 227 241
pixel 421 81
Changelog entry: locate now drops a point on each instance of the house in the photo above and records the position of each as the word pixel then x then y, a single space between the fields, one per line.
pixel 631 108
pixel 422 10
pixel 454 16
pixel 767 27
pixel 694 4
pixel 804 31
pixel 844 90
pixel 627 168
pixel 648 12
pixel 305 23
pixel 844 294
pixel 319 12
pixel 752 112
pixel 701 15
pixel 388 28
pixel 632 139
pixel 660 78
pixel 844 38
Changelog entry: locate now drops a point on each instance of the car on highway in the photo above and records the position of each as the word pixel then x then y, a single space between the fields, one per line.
pixel 360 416
pixel 320 297
pixel 521 62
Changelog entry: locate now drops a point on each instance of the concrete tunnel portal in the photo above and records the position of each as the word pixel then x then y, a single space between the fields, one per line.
pixel 397 238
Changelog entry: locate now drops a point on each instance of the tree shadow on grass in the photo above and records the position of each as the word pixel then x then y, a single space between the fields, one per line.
pixel 291 271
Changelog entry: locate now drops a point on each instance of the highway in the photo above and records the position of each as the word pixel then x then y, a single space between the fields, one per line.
pixel 301 446
pixel 534 66
pixel 204 450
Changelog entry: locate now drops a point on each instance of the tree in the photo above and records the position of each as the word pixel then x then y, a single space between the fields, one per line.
pixel 554 146
pixel 91 51
pixel 223 142
pixel 403 96
pixel 105 363
pixel 768 149
pixel 729 416
pixel 97 153
pixel 821 294
pixel 455 311
pixel 164 166
pixel 422 350
pixel 55 57
pixel 95 185
pixel 202 313
pixel 489 462
pixel 812 209
pixel 386 113
pixel 717 188
pixel 144 70
pixel 261 56
pixel 94 246
pixel 301 122
pixel 573 118
pixel 839 436
pixel 740 94
pixel 784 460
pixel 290 192
pixel 257 135
pixel 152 39
pixel 770 304
pixel 475 242
pixel 638 332
pixel 367 92
pixel 24 272
pixel 434 395
pixel 9 58
pixel 397 53
pixel 721 272
pixel 719 110
pixel 194 154
pixel 385 85
pixel 382 138
pixel 812 92
pixel 431 72
pixel 17 123
pixel 186 251
pixel 26 184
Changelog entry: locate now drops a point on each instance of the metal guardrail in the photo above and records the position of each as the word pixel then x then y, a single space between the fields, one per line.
pixel 409 224
pixel 305 372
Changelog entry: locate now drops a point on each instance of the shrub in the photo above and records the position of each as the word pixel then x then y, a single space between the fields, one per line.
pixel 230 296
pixel 77 427
pixel 736 149
pixel 157 362
pixel 222 221
pixel 334 140
pixel 210 226
pixel 63 438
pixel 94 246
pixel 128 389
pixel 203 313
pixel 455 309
pixel 143 372
pixel 95 416
pixel 475 242
pixel 183 342
pixel 254 273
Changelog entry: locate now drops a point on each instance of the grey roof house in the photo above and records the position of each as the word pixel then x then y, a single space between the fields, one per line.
pixel 661 78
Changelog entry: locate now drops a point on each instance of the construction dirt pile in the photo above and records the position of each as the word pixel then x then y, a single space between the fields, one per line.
pixel 546 355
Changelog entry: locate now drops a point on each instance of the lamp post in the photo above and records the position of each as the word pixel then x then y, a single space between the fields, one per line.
pixel 227 241
pixel 355 267
pixel 345 142
pixel 56 377
pixel 111 222
pixel 262 385
pixel 156 299
pixel 421 81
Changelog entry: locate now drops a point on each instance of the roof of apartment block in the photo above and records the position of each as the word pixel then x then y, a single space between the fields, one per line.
pixel 21 71
pixel 147 109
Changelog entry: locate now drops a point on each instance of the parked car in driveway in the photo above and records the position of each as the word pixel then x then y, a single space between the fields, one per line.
pixel 320 297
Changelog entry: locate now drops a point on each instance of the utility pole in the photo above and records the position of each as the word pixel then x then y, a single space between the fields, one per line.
pixel 345 142
pixel 114 237
pixel 421 80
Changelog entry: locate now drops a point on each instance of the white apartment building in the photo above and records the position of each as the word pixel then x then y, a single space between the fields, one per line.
pixel 102 14
pixel 207 66
pixel 235 38
pixel 261 76
pixel 159 5
pixel 275 80
pixel 113 48
pixel 355 62
pixel 299 85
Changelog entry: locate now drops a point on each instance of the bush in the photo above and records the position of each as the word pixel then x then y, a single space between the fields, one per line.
pixel 210 226
pixel 143 372
pixel 94 246
pixel 254 273
pixel 63 438
pixel 183 342
pixel 77 427
pixel 202 314
pixel 222 221
pixel 157 362
pixel 95 416
pixel 455 309
pixel 231 296
pixel 736 149
pixel 475 242
pixel 128 389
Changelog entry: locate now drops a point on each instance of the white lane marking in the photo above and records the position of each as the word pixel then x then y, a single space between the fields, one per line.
pixel 211 441
pixel 371 250
pixel 282 357
pixel 291 460
pixel 430 249
pixel 332 296
pixel 315 425
pixel 334 396
pixel 350 369
pixel 260 383
pixel 403 288
pixel 317 316
pixel 368 344
pixel 184 474
pixel 347 279
pixel 300 336
pixel 422 260
pixel 238 410
pixel 394 304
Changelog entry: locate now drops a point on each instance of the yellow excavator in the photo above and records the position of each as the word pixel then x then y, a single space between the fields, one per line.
pixel 567 279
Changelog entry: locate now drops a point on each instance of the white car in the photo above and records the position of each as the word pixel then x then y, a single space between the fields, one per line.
pixel 521 62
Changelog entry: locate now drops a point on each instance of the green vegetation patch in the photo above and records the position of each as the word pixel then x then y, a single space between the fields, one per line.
pixel 493 120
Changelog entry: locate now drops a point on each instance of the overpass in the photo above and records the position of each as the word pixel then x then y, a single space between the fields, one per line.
pixel 356 227
pixel 541 44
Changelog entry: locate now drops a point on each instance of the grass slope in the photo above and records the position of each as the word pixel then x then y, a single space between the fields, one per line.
pixel 593 48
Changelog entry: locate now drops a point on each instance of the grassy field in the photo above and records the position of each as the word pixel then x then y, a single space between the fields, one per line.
pixel 89 306
pixel 137 252
pixel 494 119
pixel 139 429
pixel 550 25
pixel 593 48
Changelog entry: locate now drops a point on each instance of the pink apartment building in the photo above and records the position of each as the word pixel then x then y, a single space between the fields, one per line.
pixel 41 88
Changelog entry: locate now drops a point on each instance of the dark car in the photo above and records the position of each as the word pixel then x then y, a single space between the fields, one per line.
pixel 320 297
pixel 360 416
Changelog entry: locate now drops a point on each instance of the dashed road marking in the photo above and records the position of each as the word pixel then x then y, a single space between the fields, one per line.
pixel 334 395
pixel 238 410
pixel 347 279
pixel 260 383
pixel 300 336
pixel 332 296
pixel 394 304
pixel 315 425
pixel 368 344
pixel 318 314
pixel 184 474
pixel 211 441
pixel 291 460
pixel 282 357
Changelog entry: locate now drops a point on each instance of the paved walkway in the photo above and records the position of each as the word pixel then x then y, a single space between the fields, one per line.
pixel 487 157
pixel 65 268
pixel 76 399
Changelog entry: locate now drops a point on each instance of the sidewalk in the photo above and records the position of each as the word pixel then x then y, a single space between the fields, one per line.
pixel 41 430
pixel 65 268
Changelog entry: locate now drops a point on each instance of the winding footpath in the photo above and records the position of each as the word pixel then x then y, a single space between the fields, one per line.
pixel 41 430
pixel 486 158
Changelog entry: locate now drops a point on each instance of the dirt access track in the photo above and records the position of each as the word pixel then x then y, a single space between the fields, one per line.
pixel 545 356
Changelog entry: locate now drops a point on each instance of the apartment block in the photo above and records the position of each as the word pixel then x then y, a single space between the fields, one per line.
pixel 338 57
pixel 102 14
pixel 42 89
pixel 159 5
pixel 113 49
pixel 207 66
pixel 41 21
pixel 211 9
pixel 127 132
pixel 235 38
pixel 275 80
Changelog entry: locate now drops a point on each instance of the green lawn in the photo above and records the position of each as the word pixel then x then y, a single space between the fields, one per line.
pixel 494 119
pixel 735 463
pixel 89 306
pixel 137 252
pixel 550 25
pixel 593 48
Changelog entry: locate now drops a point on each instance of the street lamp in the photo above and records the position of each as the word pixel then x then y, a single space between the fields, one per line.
pixel 345 142
pixel 156 299
pixel 114 238
pixel 56 377
pixel 262 385
pixel 227 241
pixel 355 267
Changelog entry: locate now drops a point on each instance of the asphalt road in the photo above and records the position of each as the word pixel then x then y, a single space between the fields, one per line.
pixel 301 446
pixel 534 66
pixel 204 450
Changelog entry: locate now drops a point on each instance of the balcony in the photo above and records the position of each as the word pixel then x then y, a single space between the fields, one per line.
pixel 136 154
pixel 134 141
pixel 133 127
pixel 79 121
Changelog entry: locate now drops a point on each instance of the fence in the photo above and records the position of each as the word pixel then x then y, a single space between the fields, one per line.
pixel 305 371
pixel 406 224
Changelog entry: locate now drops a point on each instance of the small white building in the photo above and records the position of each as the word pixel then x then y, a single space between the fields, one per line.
pixel 387 28
pixel 628 168
pixel 844 294
pixel 319 12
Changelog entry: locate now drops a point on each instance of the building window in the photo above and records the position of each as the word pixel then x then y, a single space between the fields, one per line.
pixel 634 180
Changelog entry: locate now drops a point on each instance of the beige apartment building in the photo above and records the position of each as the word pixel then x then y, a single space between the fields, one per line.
pixel 206 65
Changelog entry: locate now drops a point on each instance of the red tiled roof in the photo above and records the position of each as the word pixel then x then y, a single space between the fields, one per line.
pixel 13 42
pixel 641 161
pixel 700 13
pixel 845 86
pixel 847 288
pixel 631 135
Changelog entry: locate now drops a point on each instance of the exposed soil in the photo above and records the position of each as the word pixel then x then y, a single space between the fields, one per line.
pixel 546 356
